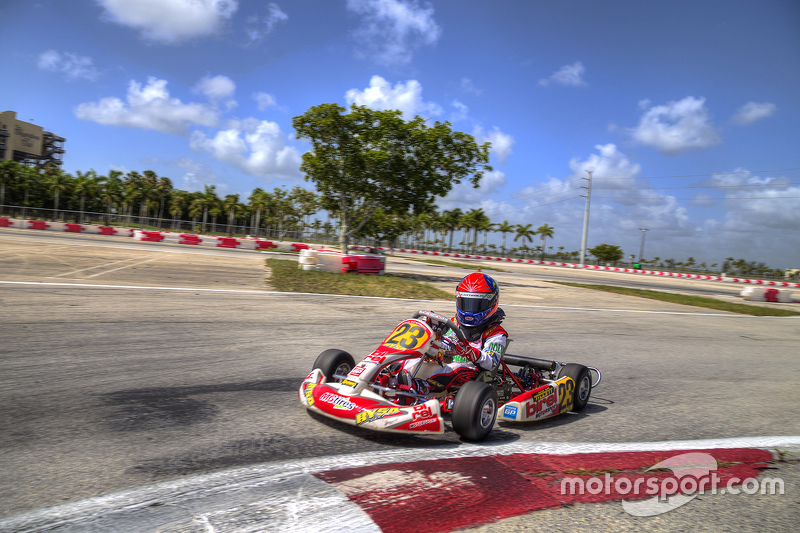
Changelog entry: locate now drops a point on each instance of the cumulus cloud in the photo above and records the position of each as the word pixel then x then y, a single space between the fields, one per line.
pixel 264 100
pixel 148 106
pixel 392 30
pixel 407 97
pixel 502 143
pixel 216 88
pixel 461 111
pixel 465 196
pixel 258 147
pixel 567 75
pixel 170 20
pixel 676 127
pixel 198 174
pixel 259 27
pixel 468 87
pixel 72 66
pixel 752 111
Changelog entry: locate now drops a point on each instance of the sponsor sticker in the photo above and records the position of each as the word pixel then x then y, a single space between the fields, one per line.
pixel 510 411
pixel 309 392
pixel 348 383
pixel 357 371
pixel 370 415
pixel 422 411
pixel 545 402
pixel 424 422
pixel 338 402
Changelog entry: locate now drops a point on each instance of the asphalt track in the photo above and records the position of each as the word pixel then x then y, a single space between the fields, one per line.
pixel 119 387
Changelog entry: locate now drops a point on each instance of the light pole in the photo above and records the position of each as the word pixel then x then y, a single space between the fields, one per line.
pixel 641 248
pixel 586 215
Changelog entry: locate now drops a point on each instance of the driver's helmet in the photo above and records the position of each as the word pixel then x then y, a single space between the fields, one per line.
pixel 477 297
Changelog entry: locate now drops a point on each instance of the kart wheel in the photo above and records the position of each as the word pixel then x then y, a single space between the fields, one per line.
pixel 333 362
pixel 583 384
pixel 474 410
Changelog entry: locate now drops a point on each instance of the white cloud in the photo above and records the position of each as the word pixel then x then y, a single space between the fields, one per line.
pixel 676 127
pixel 567 75
pixel 261 26
pixel 73 66
pixel 468 87
pixel 392 30
pixel 461 112
pixel 380 95
pixel 502 143
pixel 216 88
pixel 198 174
pixel 170 20
pixel 257 147
pixel 148 107
pixel 264 100
pixel 752 111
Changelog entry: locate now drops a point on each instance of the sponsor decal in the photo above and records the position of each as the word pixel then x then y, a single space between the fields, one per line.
pixel 545 402
pixel 357 371
pixel 370 415
pixel 422 411
pixel 338 402
pixel 565 390
pixel 310 376
pixel 510 411
pixel 348 383
pixel 424 422
pixel 309 392
pixel 374 358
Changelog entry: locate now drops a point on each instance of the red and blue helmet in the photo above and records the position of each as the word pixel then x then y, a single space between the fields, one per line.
pixel 477 298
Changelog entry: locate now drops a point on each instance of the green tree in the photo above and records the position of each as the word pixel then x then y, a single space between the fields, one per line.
pixel 525 233
pixel 607 252
pixel 366 159
pixel 504 227
pixel 164 190
pixel 57 181
pixel 544 232
pixel 9 170
pixel 451 220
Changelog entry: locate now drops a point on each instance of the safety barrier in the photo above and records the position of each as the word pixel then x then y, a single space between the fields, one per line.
pixel 591 267
pixel 336 262
pixel 764 294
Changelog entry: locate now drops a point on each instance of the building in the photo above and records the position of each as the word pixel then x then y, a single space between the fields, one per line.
pixel 28 143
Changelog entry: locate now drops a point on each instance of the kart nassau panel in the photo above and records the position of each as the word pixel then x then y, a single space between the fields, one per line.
pixel 540 403
pixel 368 410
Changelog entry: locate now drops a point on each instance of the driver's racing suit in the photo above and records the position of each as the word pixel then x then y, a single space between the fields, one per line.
pixel 486 345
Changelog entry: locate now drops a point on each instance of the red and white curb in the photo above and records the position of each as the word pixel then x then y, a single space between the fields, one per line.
pixel 588 267
pixel 383 491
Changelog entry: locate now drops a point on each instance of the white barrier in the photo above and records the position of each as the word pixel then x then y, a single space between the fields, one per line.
pixel 754 294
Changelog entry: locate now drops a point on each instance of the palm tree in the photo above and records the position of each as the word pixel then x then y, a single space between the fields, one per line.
pixel 9 169
pixel 504 227
pixel 177 205
pixel 230 204
pixel 57 181
pixel 163 189
pixel 85 185
pixel 545 232
pixel 259 200
pixel 28 176
pixel 451 220
pixel 195 210
pixel 525 233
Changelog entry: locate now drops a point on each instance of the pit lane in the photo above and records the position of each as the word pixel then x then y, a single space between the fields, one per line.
pixel 113 388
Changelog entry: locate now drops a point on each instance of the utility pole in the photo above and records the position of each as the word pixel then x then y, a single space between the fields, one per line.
pixel 586 215
pixel 641 248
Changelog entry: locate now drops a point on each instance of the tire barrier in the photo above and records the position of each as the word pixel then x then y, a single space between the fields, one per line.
pixel 588 267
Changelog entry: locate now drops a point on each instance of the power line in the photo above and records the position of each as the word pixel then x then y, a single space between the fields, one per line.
pixel 702 175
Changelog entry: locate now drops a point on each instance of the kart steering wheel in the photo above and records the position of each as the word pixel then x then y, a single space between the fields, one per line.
pixel 442 320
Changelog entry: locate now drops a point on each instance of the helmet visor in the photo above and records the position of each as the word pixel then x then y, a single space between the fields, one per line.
pixel 472 302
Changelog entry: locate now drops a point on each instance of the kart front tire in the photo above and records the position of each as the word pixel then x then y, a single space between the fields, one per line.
pixel 333 362
pixel 474 410
pixel 583 384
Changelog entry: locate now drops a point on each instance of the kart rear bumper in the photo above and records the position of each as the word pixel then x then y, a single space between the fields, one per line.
pixel 368 410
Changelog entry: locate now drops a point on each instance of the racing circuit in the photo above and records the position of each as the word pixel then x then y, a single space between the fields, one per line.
pixel 172 373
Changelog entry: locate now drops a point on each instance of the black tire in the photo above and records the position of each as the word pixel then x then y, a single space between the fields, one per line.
pixel 334 362
pixel 474 410
pixel 583 383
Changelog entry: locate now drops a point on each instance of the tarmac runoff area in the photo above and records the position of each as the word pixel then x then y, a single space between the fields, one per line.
pixel 112 386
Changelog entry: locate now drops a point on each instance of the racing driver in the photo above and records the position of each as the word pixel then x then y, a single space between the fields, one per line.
pixel 479 318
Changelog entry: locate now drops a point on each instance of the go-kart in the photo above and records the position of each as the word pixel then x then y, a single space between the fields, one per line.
pixel 360 395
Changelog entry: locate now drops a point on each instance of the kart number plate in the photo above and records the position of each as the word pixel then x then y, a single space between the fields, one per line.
pixel 408 335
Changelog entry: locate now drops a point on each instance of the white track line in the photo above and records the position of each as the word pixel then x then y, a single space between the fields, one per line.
pixel 295 500
pixel 89 268
pixel 126 266
pixel 278 293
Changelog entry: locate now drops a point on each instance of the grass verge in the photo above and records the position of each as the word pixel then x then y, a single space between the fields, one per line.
pixel 459 265
pixel 697 301
pixel 287 277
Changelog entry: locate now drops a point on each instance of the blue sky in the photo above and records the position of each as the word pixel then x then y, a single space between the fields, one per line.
pixel 203 91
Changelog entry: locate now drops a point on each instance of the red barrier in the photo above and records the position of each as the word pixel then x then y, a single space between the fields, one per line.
pixel 350 263
pixel 265 245
pixel 73 228
pixel 107 230
pixel 38 224
pixel 227 242
pixel 5 223
pixel 189 238
pixel 369 264
pixel 297 247
pixel 151 236
pixel 771 295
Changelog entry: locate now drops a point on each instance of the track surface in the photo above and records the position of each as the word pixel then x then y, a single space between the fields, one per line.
pixel 112 388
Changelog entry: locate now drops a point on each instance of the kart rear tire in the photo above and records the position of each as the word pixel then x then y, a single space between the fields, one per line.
pixel 583 384
pixel 474 410
pixel 334 362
